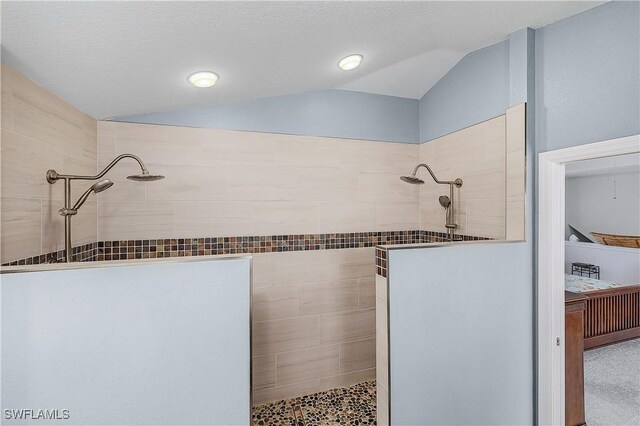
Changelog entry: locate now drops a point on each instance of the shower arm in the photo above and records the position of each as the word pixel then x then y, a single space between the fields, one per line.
pixel 53 176
pixel 457 182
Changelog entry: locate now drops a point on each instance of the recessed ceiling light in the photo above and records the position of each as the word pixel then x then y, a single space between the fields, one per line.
pixel 350 62
pixel 203 78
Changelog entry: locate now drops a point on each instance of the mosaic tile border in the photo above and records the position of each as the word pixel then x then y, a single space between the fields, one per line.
pixel 179 247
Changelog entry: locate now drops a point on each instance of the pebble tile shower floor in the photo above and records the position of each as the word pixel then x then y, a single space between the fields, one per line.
pixel 353 405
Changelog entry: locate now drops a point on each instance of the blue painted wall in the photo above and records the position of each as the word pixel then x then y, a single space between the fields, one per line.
pixel 588 77
pixel 332 113
pixel 474 90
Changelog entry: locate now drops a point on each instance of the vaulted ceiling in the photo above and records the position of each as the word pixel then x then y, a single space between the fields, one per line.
pixel 120 58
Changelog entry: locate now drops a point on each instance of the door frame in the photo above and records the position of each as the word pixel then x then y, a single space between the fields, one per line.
pixel 550 301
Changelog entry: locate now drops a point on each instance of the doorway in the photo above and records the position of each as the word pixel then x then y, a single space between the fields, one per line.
pixel 551 255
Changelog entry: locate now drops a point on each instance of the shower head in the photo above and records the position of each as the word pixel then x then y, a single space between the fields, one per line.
pixel 96 187
pixel 145 177
pixel 444 201
pixel 412 180
pixel 101 186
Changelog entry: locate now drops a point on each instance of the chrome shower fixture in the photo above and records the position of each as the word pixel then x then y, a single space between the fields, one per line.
pixel 67 211
pixel 446 202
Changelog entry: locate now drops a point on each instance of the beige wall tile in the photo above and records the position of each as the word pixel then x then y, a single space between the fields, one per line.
pixel 398 216
pixel 264 372
pixel 307 364
pixel 6 121
pixel 134 220
pixel 25 162
pixel 382 409
pixel 263 270
pixel 366 293
pixel 477 155
pixel 328 297
pixel 342 327
pixel 328 184
pixel 270 303
pixel 21 228
pixel 193 183
pixel 346 379
pixel 346 217
pixel 357 355
pixel 211 218
pixel 262 396
pixel 284 217
pixel 41 132
pixel 270 337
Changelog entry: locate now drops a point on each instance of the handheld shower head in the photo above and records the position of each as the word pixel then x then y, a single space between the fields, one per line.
pixel 444 201
pixel 96 187
pixel 145 177
pixel 412 180
pixel 101 186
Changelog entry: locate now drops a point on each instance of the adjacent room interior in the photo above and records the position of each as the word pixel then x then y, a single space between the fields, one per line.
pixel 602 266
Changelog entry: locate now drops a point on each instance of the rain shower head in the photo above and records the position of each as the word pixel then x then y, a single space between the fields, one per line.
pixel 145 177
pixel 412 180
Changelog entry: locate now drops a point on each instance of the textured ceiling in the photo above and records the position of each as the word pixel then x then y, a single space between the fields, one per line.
pixel 120 58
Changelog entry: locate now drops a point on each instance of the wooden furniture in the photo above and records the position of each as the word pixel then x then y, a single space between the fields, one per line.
pixel 611 315
pixel 575 305
pixel 617 240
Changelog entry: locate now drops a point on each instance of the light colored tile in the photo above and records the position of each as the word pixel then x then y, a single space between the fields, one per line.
pixel 284 217
pixel 366 293
pixel 264 372
pixel 135 220
pixel 385 187
pixel 235 148
pixel 262 396
pixel 24 165
pixel 192 183
pixel 515 221
pixel 166 145
pixel 382 408
pixel 270 337
pixel 486 218
pixel 263 270
pixel 262 183
pixel 382 357
pixel 6 121
pixel 306 267
pixel 328 184
pixel 357 355
pixel 342 327
pixel 358 270
pixel 307 364
pixel 347 217
pixel 397 216
pixel 270 303
pixel 35 116
pixel 348 379
pixel 211 218
pixel 328 297
pixel 21 227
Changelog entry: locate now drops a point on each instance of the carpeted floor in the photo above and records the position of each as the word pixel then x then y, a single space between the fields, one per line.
pixel 612 384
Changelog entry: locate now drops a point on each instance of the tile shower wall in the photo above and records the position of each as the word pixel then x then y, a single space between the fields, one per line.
pixel 476 154
pixel 313 310
pixel 40 132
